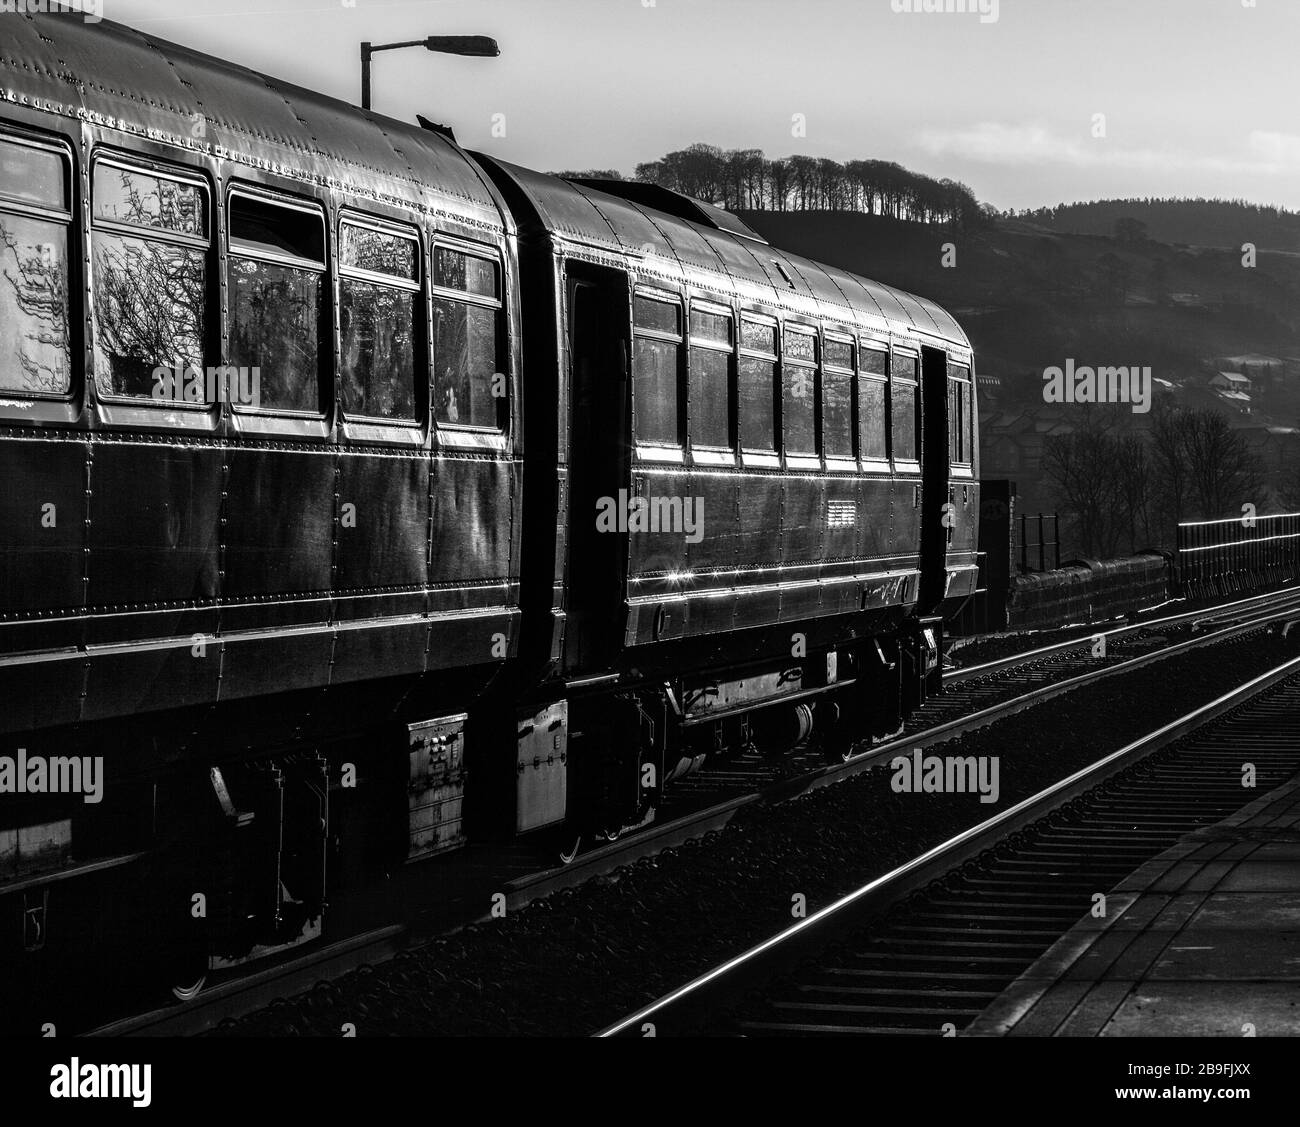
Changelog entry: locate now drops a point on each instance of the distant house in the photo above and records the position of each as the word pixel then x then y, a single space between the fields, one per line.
pixel 1231 382
pixel 1262 371
pixel 1274 446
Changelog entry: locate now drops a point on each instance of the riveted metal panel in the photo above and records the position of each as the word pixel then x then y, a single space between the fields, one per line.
pixel 655 551
pixel 759 522
pixel 802 518
pixel 473 501
pixel 154 523
pixel 715 506
pixel 384 542
pixel 279 515
pixel 41 560
pixel 875 517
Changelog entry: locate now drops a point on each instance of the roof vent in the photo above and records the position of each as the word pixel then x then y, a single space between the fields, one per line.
pixel 436 127
pixel 673 203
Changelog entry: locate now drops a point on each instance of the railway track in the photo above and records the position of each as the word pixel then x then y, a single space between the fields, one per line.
pixel 708 801
pixel 923 949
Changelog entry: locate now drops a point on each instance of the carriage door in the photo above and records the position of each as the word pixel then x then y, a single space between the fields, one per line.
pixel 598 431
pixel 934 477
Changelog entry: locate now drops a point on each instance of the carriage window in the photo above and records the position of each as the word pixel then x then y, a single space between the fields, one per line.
pixel 469 386
pixel 875 362
pixel 798 398
pixel 959 420
pixel 837 398
pixel 873 416
pixel 904 406
pixel 379 296
pixel 654 369
pixel 150 268
pixel 277 279
pixel 710 380
pixel 35 354
pixel 838 354
pixel 756 390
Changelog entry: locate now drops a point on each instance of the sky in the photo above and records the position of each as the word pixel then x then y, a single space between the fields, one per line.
pixel 1198 97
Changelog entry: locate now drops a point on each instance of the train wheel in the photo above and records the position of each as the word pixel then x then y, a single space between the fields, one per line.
pixel 185 971
pixel 569 849
pixel 189 993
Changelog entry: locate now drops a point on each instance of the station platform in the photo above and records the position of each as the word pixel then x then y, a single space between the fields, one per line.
pixel 1203 940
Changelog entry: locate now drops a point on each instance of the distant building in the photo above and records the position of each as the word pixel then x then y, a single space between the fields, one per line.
pixel 1231 382
pixel 1262 371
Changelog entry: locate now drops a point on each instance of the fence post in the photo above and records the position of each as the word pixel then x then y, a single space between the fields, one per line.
pixel 1042 548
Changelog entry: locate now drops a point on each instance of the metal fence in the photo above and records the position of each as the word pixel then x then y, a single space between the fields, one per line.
pixel 1220 557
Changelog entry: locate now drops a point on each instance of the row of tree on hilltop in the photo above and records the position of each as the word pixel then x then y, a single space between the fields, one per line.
pixel 745 179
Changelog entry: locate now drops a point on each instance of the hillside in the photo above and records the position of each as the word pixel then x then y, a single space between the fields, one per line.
pixel 1031 298
pixel 1197 222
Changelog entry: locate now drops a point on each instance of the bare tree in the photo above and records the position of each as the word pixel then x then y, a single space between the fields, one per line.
pixel 1224 472
pixel 1204 468
pixel 1133 490
pixel 1169 460
pixel 1081 470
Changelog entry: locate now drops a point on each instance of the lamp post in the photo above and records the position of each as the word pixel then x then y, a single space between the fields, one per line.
pixel 478 46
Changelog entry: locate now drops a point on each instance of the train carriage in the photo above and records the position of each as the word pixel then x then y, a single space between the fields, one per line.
pixel 818 428
pixel 256 550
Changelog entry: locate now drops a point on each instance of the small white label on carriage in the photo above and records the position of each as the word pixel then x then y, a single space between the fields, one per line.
pixel 841 514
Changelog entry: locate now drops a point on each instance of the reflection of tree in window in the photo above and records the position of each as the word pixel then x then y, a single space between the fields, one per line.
pixel 465 340
pixel 378 324
pixel 873 419
pixel 277 265
pixel 837 413
pixel 903 413
pixel 149 294
pixel 464 350
pixel 274 314
pixel 34 349
pixel 378 357
pixel 757 411
pixel 797 408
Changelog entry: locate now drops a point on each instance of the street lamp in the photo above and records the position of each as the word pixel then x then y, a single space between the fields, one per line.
pixel 478 46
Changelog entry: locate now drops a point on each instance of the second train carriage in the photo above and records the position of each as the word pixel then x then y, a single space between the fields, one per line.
pixel 352 623
pixel 806 436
